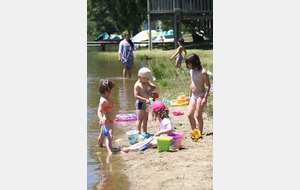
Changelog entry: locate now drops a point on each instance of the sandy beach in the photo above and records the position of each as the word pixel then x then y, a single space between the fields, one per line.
pixel 188 168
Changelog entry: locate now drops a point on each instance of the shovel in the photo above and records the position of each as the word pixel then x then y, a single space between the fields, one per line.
pixel 145 146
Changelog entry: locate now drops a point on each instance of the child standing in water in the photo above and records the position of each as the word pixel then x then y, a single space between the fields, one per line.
pixel 160 111
pixel 142 95
pixel 198 92
pixel 178 53
pixel 106 114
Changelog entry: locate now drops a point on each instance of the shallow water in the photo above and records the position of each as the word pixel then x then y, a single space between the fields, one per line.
pixel 101 175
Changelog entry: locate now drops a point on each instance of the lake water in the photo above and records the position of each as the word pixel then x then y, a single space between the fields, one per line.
pixel 101 175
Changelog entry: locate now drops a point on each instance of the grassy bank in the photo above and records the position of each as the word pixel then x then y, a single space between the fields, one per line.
pixel 170 80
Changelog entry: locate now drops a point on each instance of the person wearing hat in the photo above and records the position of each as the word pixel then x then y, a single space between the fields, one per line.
pixel 143 89
pixel 160 111
pixel 126 48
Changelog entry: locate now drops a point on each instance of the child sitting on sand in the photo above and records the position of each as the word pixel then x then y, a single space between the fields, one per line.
pixel 161 112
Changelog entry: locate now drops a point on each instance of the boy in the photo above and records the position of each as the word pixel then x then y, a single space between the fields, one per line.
pixel 142 95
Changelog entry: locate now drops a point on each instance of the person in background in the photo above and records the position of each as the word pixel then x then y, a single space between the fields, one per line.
pixel 178 52
pixel 198 92
pixel 125 52
pixel 106 114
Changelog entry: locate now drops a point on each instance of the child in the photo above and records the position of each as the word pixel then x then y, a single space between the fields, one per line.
pixel 198 93
pixel 142 95
pixel 161 112
pixel 106 114
pixel 179 51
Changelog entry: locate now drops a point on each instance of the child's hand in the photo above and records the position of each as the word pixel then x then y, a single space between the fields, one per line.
pixel 203 102
pixel 102 122
pixel 147 101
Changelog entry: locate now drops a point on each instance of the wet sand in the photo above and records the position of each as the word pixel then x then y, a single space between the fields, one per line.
pixel 188 168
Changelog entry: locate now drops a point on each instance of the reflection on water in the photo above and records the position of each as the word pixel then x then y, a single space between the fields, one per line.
pixel 106 172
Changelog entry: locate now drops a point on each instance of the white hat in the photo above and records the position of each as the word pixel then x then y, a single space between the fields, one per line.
pixel 145 72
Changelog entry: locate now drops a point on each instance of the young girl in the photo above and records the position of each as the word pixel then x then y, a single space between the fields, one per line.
pixel 198 92
pixel 106 114
pixel 161 112
pixel 179 51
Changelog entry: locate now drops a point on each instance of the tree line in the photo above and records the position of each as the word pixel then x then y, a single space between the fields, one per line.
pixel 115 16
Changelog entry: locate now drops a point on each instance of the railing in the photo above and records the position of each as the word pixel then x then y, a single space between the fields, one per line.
pixel 184 5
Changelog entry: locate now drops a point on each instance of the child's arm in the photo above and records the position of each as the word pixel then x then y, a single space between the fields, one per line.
pixel 99 113
pixel 207 83
pixel 168 130
pixel 152 87
pixel 184 53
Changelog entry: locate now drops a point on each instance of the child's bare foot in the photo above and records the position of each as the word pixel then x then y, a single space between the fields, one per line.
pixel 124 150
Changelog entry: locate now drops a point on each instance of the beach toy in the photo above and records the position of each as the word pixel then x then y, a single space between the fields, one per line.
pixel 181 100
pixel 104 130
pixel 166 101
pixel 133 136
pixel 177 112
pixel 176 141
pixel 154 95
pixel 195 134
pixel 145 146
pixel 126 117
pixel 163 143
pixel 118 140
pixel 148 107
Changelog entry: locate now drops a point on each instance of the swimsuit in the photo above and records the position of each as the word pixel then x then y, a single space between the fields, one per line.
pixel 109 120
pixel 108 107
pixel 140 105
pixel 196 96
pixel 180 57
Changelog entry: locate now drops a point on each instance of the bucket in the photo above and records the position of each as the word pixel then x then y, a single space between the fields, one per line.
pixel 176 141
pixel 133 136
pixel 163 143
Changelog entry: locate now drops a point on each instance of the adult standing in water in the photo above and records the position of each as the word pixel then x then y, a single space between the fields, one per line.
pixel 126 48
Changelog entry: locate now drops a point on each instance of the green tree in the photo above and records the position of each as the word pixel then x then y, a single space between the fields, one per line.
pixel 115 16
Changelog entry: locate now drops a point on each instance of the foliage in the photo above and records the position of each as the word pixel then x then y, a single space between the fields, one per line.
pixel 114 16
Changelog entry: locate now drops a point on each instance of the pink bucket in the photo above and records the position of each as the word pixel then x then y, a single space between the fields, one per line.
pixel 176 141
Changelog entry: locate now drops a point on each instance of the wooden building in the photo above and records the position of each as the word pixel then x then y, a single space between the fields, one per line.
pixel 196 13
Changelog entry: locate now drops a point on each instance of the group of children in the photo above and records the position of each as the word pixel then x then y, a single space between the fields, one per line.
pixel 143 89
